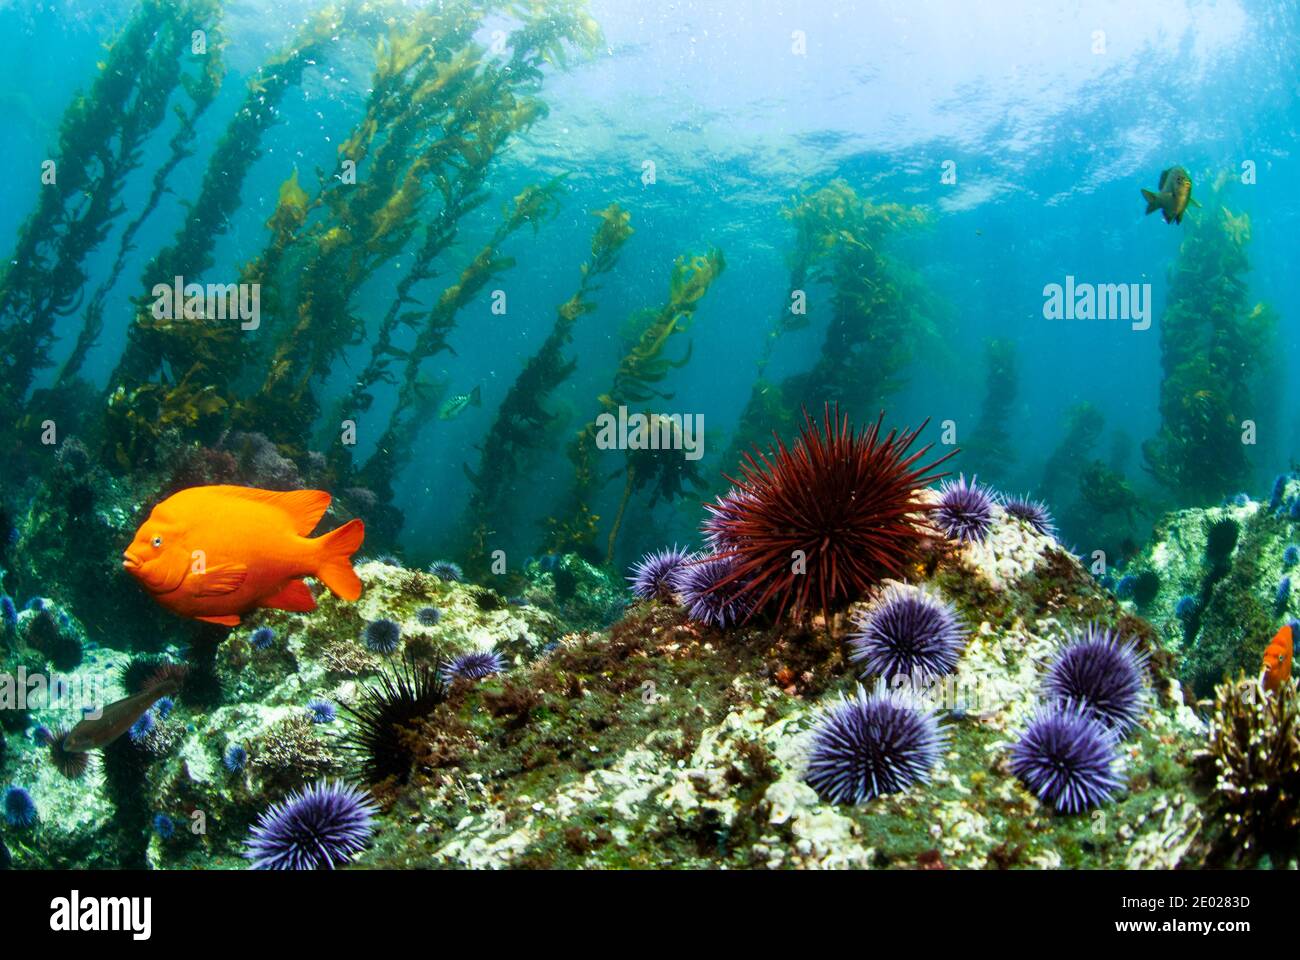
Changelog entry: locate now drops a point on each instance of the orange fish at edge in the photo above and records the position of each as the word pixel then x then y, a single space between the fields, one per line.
pixel 214 553
pixel 1277 659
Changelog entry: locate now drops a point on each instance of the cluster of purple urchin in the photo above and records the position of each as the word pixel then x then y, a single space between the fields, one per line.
pixel 704 583
pixel 964 511
pixel 1095 692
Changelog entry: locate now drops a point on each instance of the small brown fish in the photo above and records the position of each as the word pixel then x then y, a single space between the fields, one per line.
pixel 118 717
pixel 1173 196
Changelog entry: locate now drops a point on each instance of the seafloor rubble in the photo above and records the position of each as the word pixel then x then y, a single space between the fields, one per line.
pixel 657 742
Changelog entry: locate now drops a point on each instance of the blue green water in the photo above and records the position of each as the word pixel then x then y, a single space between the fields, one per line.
pixel 1054 115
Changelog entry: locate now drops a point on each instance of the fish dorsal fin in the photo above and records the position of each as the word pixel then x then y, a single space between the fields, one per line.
pixel 304 507
pixel 476 396
pixel 1164 174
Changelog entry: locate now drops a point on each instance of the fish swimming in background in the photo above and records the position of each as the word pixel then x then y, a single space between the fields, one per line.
pixel 457 404
pixel 118 717
pixel 1277 659
pixel 1175 193
pixel 215 553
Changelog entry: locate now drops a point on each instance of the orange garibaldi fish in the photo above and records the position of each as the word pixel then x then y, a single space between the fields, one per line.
pixel 214 553
pixel 1277 659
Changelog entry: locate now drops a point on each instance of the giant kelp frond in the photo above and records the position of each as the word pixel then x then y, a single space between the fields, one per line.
pixel 646 363
pixel 635 380
pixel 1213 343
pixel 519 426
pixel 101 139
pixel 876 310
pixel 184 348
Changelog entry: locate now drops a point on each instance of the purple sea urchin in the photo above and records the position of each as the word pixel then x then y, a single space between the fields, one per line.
pixel 1103 673
pixel 321 711
pixel 909 632
pixel 235 758
pixel 428 616
pixel 324 825
pixel 710 593
pixel 1032 512
pixel 20 808
pixel 872 744
pixel 382 635
pixel 714 526
pixel 141 729
pixel 965 510
pixel 652 577
pixel 1067 757
pixel 474 665
pixel 447 570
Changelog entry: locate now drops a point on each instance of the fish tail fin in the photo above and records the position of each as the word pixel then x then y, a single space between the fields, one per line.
pixel 335 566
pixel 1153 202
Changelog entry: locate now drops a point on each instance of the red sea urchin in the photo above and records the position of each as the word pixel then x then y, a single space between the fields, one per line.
pixel 818 523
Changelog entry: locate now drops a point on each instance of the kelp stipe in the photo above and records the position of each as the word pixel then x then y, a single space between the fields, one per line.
pixel 1212 345
pixel 636 380
pixel 519 429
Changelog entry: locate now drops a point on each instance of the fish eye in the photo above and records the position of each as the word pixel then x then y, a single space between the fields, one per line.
pixel 157 541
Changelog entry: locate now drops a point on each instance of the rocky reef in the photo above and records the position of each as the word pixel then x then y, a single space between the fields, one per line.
pixel 1215 582
pixel 656 742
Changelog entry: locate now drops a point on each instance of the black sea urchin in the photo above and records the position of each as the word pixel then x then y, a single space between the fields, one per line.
pixel 819 523
pixel 382 717
pixel 73 764
pixel 869 745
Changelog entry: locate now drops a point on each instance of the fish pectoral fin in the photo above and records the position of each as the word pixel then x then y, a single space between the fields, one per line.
pixel 230 620
pixel 293 596
pixel 1164 175
pixel 219 580
pixel 1194 202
